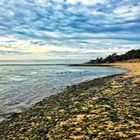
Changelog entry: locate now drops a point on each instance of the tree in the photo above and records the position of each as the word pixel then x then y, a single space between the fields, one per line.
pixel 133 54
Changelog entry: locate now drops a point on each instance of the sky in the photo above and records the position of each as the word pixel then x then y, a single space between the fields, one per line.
pixel 67 29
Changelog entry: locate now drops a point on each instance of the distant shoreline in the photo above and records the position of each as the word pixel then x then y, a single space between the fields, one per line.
pixel 92 65
pixel 30 64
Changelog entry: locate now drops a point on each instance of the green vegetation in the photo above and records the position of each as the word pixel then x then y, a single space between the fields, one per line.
pixel 133 54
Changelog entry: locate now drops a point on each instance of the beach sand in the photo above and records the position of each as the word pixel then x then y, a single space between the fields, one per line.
pixel 133 67
pixel 101 109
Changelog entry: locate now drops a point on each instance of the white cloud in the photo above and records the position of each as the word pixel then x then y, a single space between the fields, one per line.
pixel 122 10
pixel 87 2
pixel 28 50
pixel 128 12
pixel 1 3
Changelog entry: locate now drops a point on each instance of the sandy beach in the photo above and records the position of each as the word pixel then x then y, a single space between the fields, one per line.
pixel 134 67
pixel 101 109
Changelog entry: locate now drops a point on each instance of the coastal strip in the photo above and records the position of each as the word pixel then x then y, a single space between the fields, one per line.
pixel 91 65
pixel 103 108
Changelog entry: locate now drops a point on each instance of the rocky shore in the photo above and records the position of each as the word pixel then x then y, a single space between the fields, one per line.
pixel 102 109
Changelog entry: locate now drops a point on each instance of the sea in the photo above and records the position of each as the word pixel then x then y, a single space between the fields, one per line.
pixel 24 84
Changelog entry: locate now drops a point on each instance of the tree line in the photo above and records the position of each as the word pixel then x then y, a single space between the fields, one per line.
pixel 133 54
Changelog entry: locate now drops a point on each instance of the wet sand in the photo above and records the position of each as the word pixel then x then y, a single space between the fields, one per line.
pixel 101 109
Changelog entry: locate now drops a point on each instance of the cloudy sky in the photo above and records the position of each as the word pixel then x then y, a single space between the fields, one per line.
pixel 67 29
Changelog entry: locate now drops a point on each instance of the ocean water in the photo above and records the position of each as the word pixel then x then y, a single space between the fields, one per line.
pixel 23 85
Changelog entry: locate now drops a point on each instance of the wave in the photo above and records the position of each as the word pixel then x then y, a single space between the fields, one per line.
pixel 16 78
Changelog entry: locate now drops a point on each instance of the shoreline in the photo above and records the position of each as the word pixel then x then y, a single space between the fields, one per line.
pixel 10 115
pixel 59 114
